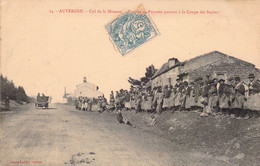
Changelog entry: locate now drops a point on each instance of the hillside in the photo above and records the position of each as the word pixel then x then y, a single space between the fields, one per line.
pixel 231 140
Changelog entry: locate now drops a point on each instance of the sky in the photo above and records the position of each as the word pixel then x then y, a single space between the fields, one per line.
pixel 45 52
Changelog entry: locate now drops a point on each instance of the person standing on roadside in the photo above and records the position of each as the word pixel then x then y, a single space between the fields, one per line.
pixel 7 102
pixel 239 98
pixel 252 104
pixel 138 101
pixel 213 97
pixel 89 105
pixel 224 93
pixel 205 97
pixel 158 100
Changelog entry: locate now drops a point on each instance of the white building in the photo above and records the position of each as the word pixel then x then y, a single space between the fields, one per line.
pixel 87 89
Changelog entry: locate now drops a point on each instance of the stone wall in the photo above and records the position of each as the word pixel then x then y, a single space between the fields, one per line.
pixel 230 67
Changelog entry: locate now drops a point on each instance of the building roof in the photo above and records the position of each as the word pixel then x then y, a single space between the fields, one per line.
pixel 86 84
pixel 165 67
pixel 215 53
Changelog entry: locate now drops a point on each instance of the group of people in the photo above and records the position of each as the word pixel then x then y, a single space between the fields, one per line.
pixel 232 97
pixel 85 103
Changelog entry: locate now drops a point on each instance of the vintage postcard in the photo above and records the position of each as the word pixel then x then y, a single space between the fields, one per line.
pixel 130 83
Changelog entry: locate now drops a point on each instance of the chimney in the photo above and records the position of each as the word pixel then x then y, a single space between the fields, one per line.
pixel 65 91
pixel 84 79
pixel 172 62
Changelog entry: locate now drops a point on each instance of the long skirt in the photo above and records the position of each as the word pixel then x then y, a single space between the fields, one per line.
pixel 132 102
pixel 112 103
pixel 119 102
pixel 128 105
pixel 253 102
pixel 193 103
pixel 213 100
pixel 168 102
pixel 147 105
pixel 159 106
pixel 177 100
pixel 138 104
pixel 89 108
pixel 80 105
pixel 188 102
pixel 238 102
pixel 84 106
pixel 104 104
pixel 224 101
pixel 182 101
pixel 142 105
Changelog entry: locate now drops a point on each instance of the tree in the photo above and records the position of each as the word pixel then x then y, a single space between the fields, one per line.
pixel 21 95
pixel 150 71
pixel 8 88
pixel 134 81
pixel 144 80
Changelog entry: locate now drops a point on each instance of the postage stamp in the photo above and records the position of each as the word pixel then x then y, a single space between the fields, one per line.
pixel 130 31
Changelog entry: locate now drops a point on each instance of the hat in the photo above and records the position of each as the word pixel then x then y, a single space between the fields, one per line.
pixel 177 79
pixel 198 79
pixel 237 78
pixel 221 80
pixel 251 76
pixel 159 89
pixel 215 79
pixel 185 83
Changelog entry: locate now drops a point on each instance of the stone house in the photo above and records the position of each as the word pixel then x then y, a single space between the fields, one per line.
pixel 216 64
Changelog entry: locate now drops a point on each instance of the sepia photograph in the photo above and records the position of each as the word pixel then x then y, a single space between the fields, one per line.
pixel 129 83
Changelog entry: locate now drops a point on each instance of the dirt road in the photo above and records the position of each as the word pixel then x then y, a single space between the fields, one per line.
pixel 65 136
